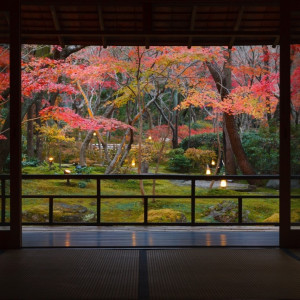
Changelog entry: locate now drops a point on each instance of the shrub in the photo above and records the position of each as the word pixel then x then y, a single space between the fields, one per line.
pixel 179 163
pixel 200 158
pixel 165 215
pixel 82 184
pixel 82 170
pixel 204 140
pixel 262 149
pixel 33 162
pixel 174 152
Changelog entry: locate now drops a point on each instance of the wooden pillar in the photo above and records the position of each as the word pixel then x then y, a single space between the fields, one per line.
pixel 12 238
pixel 288 237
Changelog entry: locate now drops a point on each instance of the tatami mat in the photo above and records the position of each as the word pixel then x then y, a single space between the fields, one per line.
pixel 204 273
pixel 69 274
pixel 223 274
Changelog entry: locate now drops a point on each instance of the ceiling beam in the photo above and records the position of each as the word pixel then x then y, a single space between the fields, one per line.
pixel 154 2
pixel 161 34
pixel 101 24
pixel 276 42
pixel 147 22
pixel 192 25
pixel 6 17
pixel 237 25
pixel 57 25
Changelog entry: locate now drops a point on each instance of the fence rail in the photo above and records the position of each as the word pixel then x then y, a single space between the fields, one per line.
pixel 99 196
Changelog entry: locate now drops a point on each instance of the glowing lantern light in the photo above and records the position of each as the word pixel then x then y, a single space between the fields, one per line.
pixel 213 163
pixel 149 138
pixel 208 172
pixel 94 133
pixel 67 172
pixel 133 163
pixel 50 160
pixel 223 183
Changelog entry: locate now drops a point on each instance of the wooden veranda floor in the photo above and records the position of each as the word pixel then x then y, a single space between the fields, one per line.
pixel 148 237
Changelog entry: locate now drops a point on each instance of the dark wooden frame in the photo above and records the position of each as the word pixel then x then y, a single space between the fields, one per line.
pixel 288 237
pixel 12 238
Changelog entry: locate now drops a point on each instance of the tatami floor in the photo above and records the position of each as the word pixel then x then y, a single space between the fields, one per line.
pixel 203 273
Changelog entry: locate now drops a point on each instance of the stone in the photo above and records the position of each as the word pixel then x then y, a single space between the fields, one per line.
pixel 273 184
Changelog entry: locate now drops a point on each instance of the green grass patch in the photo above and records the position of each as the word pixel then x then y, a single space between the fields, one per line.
pixel 131 210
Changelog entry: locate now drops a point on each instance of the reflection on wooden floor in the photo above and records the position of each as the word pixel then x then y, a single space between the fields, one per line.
pixel 135 238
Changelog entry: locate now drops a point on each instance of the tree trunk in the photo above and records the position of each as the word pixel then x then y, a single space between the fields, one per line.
pixel 84 146
pixel 5 144
pixel 223 82
pixel 39 141
pixel 144 167
pixel 30 148
pixel 237 147
pixel 229 160
pixel 175 122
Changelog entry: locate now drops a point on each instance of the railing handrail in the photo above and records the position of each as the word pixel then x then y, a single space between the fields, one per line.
pixel 99 195
pixel 149 176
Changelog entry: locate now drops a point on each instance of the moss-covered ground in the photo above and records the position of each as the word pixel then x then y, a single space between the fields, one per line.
pixel 131 210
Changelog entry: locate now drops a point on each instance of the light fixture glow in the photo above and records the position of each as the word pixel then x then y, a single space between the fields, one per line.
pixel 208 171
pixel 133 163
pixel 213 163
pixel 223 183
pixel 67 172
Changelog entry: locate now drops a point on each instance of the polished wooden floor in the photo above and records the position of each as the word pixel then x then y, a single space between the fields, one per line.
pixel 135 237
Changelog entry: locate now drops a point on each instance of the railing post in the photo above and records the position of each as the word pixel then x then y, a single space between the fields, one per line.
pixel 240 210
pixel 51 210
pixel 193 201
pixel 3 201
pixel 145 210
pixel 98 201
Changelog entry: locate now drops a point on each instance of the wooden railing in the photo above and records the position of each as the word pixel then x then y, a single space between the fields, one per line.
pixel 99 196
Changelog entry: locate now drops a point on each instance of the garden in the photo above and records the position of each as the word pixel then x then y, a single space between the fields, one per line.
pixel 202 111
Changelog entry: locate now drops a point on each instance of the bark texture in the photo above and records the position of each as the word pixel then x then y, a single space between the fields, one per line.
pixel 222 80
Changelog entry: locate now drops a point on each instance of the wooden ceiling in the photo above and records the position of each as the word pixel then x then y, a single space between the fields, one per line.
pixel 152 22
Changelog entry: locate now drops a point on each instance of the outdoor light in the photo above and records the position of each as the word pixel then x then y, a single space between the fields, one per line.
pixel 149 138
pixel 94 133
pixel 208 172
pixel 133 163
pixel 213 163
pixel 50 160
pixel 67 172
pixel 223 183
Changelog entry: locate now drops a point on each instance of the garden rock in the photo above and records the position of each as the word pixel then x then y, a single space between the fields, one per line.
pixel 274 184
pixel 74 208
pixel 225 212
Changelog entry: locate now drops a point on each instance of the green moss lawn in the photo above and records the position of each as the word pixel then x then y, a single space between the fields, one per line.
pixel 131 210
